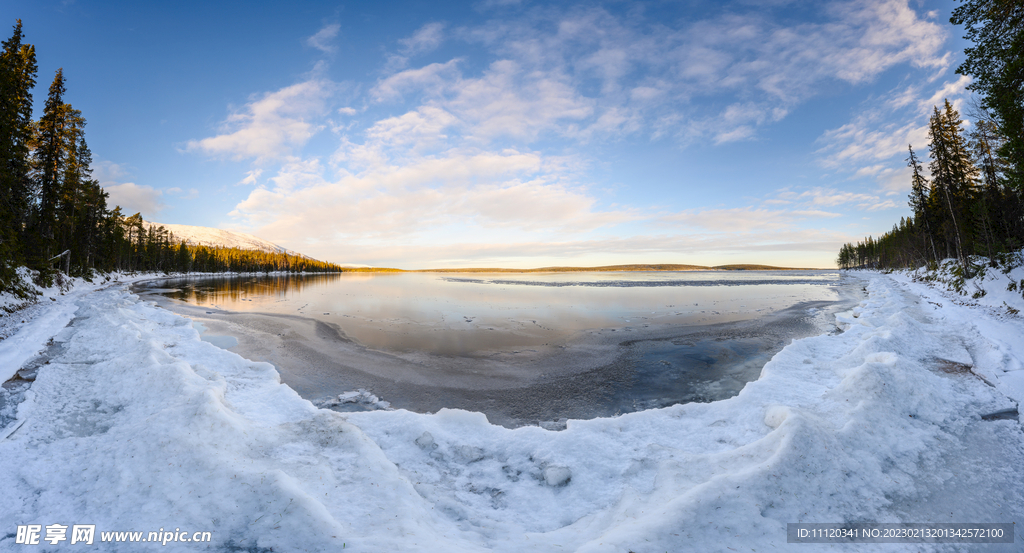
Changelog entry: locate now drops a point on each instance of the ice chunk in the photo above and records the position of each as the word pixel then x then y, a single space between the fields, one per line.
pixel 775 415
pixel 350 397
pixel 557 476
pixel 426 441
pixel 469 454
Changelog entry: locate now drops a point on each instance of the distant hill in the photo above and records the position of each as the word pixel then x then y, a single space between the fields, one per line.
pixel 573 269
pixel 214 237
pixel 748 267
pixel 609 268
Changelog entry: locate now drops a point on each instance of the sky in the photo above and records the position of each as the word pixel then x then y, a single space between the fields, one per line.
pixel 505 133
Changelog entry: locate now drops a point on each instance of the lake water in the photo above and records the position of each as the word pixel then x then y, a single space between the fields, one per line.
pixel 521 347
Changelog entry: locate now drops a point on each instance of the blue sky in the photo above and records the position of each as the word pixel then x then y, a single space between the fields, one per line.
pixel 508 133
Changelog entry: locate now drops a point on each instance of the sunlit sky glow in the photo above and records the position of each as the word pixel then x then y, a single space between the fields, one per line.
pixel 507 133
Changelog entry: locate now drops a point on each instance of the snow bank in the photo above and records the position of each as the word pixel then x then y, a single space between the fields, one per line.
pixel 19 341
pixel 999 289
pixel 989 309
pixel 139 425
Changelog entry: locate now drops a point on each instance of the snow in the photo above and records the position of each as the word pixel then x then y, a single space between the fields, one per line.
pixel 214 237
pixel 358 400
pixel 993 303
pixel 136 423
pixel 17 344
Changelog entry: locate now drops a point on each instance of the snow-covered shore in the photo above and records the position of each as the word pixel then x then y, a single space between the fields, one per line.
pixel 136 424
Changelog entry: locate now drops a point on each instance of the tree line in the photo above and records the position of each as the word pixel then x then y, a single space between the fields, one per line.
pixel 54 215
pixel 972 206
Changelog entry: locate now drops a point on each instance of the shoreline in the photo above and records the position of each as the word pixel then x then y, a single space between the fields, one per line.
pixel 586 374
pixel 634 268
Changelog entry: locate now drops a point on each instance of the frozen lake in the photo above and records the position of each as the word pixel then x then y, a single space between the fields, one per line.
pixel 520 347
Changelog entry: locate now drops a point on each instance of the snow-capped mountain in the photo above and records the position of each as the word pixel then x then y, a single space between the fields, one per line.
pixel 206 236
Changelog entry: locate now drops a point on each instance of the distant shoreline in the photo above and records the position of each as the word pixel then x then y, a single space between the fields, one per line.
pixel 605 268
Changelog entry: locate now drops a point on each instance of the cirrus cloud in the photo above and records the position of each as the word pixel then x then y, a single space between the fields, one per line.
pixel 271 126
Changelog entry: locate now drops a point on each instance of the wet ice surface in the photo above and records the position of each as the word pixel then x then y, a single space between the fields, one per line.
pixel 14 390
pixel 684 370
pixel 219 340
pixel 523 350
pixel 803 277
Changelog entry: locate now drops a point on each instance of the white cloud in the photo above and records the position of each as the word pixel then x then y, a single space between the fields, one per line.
pixel 430 80
pixel 506 100
pixel 787 65
pixel 896 180
pixel 427 38
pixel 272 125
pixel 742 132
pixel 723 61
pixel 296 174
pixel 649 73
pixel 251 177
pixel 745 219
pixel 885 204
pixel 510 101
pixel 421 129
pixel 833 197
pixel 459 190
pixel 862 141
pixel 952 89
pixel 191 194
pixel 108 172
pixel 131 197
pixel 830 197
pixel 322 39
pixel 134 198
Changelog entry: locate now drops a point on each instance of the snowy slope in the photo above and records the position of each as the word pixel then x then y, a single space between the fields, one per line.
pixel 136 424
pixel 206 236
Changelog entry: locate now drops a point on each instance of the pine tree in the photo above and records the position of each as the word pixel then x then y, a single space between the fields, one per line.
pixel 953 176
pixel 996 62
pixel 17 78
pixel 90 210
pixel 975 201
pixel 52 141
pixel 919 198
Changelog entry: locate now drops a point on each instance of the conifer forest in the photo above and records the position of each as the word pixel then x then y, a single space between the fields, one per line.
pixel 970 206
pixel 54 216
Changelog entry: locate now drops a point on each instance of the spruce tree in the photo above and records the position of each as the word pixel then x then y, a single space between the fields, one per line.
pixel 82 230
pixel 996 63
pixel 919 199
pixel 51 153
pixel 17 78
pixel 953 177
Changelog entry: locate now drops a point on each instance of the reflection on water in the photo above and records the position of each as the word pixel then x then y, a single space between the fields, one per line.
pixel 520 348
pixel 234 288
pixel 219 340
pixel 476 314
